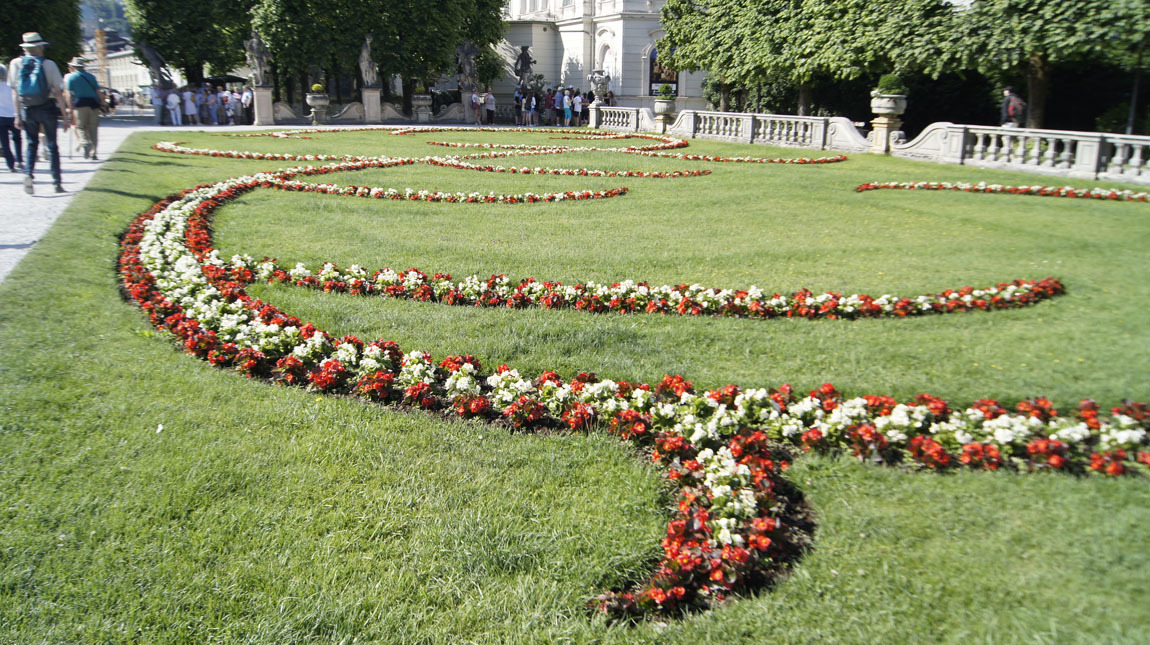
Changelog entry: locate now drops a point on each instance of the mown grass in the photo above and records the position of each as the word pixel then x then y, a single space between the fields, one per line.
pixel 260 514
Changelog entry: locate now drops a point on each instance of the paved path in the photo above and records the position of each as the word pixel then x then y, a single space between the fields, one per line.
pixel 25 218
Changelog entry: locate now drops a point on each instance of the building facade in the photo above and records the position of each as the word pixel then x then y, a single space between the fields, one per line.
pixel 570 38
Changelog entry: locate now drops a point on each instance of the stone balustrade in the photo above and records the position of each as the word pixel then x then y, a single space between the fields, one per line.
pixel 1084 155
pixel 1065 153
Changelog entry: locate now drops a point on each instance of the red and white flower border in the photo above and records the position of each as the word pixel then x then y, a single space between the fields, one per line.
pixel 716 446
pixel 1070 192
pixel 454 162
pixel 663 143
pixel 630 297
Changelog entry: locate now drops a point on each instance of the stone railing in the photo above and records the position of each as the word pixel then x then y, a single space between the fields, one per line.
pixel 615 118
pixel 819 133
pixel 1085 155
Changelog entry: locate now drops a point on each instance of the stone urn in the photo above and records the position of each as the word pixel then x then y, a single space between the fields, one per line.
pixel 664 107
pixel 319 103
pixel 421 104
pixel 888 104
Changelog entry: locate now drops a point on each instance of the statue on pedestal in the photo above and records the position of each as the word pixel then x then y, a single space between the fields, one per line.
pixel 367 66
pixel 465 60
pixel 523 64
pixel 258 57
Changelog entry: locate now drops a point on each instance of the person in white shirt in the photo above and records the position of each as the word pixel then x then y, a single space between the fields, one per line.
pixel 247 99
pixel 8 122
pixel 577 108
pixel 477 107
pixel 174 106
pixel 191 106
pixel 489 101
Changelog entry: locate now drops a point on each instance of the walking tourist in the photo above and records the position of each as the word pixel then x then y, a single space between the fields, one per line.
pixel 1013 109
pixel 489 102
pixel 517 105
pixel 8 124
pixel 549 107
pixel 476 107
pixel 577 108
pixel 559 102
pixel 82 96
pixel 567 106
pixel 37 92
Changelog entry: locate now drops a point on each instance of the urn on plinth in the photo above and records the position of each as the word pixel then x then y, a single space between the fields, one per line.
pixel 319 102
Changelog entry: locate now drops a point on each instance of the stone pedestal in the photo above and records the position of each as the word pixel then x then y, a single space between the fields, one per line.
pixel 885 130
pixel 421 105
pixel 263 106
pixel 372 111
pixel 594 116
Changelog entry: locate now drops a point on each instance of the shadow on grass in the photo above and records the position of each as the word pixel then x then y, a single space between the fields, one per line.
pixel 150 198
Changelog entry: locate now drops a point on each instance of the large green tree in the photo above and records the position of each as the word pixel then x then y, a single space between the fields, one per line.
pixel 195 33
pixel 745 42
pixel 58 22
pixel 413 38
pixel 1003 38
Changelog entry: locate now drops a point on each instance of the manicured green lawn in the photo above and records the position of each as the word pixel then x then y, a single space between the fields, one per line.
pixel 265 514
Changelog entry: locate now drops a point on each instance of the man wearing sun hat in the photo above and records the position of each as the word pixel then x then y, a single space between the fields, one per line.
pixel 36 91
pixel 82 94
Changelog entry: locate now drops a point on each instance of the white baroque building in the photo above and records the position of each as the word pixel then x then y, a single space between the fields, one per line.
pixel 570 38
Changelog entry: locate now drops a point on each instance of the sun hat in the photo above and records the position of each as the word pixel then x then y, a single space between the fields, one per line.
pixel 78 62
pixel 33 39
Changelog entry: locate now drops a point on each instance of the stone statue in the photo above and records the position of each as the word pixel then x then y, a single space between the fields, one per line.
pixel 258 57
pixel 599 80
pixel 367 66
pixel 465 59
pixel 157 66
pixel 523 64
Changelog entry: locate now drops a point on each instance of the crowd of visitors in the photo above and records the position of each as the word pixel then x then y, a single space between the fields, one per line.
pixel 203 105
pixel 568 106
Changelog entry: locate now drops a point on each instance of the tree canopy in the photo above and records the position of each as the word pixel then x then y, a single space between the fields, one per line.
pixel 193 34
pixel 58 22
pixel 745 42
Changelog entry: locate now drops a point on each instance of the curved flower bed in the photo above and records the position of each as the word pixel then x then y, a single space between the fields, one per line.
pixel 716 446
pixel 654 150
pixel 630 297
pixel 457 163
pixel 1110 194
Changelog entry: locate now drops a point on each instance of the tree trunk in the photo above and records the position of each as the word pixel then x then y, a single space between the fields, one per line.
pixel 194 74
pixel 806 97
pixel 1037 85
pixel 724 97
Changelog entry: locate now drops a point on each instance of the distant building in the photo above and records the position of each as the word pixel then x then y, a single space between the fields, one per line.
pixel 570 38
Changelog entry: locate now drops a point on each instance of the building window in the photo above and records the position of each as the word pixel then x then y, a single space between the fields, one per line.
pixel 660 75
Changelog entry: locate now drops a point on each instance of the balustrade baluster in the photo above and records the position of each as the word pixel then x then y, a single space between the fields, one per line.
pixel 1136 162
